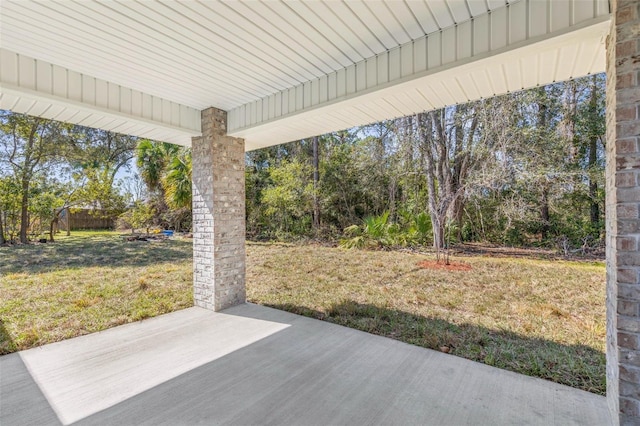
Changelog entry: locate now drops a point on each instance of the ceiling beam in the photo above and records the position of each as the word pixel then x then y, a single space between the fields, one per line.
pixel 36 87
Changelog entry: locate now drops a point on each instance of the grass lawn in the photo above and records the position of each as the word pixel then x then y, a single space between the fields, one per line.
pixel 543 318
pixel 86 283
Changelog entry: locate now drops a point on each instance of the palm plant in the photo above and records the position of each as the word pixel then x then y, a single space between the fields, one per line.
pixel 166 170
pixel 376 231
pixel 177 181
pixel 152 161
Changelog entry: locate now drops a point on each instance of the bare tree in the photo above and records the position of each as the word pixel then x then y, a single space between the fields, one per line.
pixel 451 148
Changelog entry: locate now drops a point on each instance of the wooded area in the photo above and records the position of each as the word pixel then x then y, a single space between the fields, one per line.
pixel 521 169
pixel 47 167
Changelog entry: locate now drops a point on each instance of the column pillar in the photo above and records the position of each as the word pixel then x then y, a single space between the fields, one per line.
pixel 623 212
pixel 218 215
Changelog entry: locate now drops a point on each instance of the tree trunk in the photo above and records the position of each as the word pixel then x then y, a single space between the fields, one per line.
pixel 544 192
pixel 544 214
pixel 425 123
pixel 24 212
pixel 570 111
pixel 392 200
pixel 2 240
pixel 593 157
pixel 31 160
pixel 459 217
pixel 438 235
pixel 594 214
pixel 52 227
pixel 316 180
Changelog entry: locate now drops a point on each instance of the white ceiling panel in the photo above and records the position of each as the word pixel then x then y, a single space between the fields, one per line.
pixel 468 86
pixel 477 7
pixel 512 73
pixel 222 53
pixel 493 75
pixel 481 81
pixel 221 32
pixel 494 4
pixel 267 21
pixel 424 16
pixel 24 105
pixel 459 10
pixel 405 16
pixel 284 69
pixel 348 26
pixel 37 109
pixel 435 95
pixel 453 87
pixel 422 98
pixel 529 69
pixel 321 19
pixel 441 13
pixel 378 29
pixel 383 12
pixel 66 115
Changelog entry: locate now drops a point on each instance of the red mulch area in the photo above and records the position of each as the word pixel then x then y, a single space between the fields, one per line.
pixel 452 266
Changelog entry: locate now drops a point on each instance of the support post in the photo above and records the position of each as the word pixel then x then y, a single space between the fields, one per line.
pixel 623 212
pixel 218 215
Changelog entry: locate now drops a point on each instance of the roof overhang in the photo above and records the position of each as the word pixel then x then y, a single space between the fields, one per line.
pixel 283 70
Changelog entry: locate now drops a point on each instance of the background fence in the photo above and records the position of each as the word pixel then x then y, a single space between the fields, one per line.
pixel 84 219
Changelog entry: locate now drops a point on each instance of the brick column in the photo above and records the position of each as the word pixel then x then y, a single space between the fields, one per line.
pixel 218 215
pixel 623 213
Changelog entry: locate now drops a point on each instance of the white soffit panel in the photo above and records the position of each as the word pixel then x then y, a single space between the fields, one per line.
pixel 488 76
pixel 36 87
pixel 220 53
pixel 148 67
pixel 518 46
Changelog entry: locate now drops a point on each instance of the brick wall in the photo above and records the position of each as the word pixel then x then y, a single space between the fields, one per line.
pixel 623 218
pixel 218 215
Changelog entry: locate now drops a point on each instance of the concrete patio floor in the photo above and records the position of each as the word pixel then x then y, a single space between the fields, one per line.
pixel 255 365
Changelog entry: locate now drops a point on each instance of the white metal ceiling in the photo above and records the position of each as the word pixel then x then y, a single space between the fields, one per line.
pixel 222 53
pixel 285 69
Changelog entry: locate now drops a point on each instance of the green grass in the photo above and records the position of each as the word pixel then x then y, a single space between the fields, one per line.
pixel 543 318
pixel 86 283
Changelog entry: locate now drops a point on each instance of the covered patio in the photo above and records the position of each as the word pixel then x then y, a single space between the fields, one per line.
pixel 255 365
pixel 227 77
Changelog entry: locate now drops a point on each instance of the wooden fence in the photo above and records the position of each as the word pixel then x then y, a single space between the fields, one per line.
pixel 84 219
